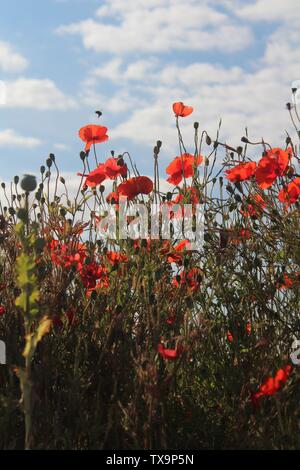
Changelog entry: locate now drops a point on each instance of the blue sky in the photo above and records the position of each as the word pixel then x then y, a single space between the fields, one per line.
pixel 61 60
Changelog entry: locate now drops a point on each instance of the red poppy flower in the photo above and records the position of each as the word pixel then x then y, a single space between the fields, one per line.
pixel 91 273
pixel 167 353
pixel 248 328
pixel 290 194
pixel 134 186
pixel 241 172
pixel 113 169
pixel 272 385
pixel 95 177
pixel 271 166
pixel 92 134
pixel 112 198
pixel 115 257
pixel 289 281
pixel 181 109
pixel 254 207
pixel 229 336
pixel 2 310
pixel 182 166
pixel 191 279
pixel 64 255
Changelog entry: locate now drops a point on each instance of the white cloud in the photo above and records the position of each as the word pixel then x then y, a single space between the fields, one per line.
pixel 158 26
pixel 10 60
pixel 61 147
pixel 270 10
pixel 36 94
pixel 10 138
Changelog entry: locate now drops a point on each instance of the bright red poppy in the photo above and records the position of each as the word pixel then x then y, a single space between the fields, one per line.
pixel 182 166
pixel 95 177
pixel 92 134
pixel 241 172
pixel 272 165
pixel 180 109
pixel 113 169
pixel 168 353
pixel 135 186
pixel 273 384
pixel 229 336
pixel 291 193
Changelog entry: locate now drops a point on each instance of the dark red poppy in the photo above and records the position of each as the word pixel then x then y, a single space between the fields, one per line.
pixel 180 109
pixel 182 167
pixel 241 172
pixel 134 186
pixel 92 134
pixel 2 310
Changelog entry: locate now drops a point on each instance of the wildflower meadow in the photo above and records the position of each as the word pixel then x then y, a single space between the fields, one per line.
pixel 153 311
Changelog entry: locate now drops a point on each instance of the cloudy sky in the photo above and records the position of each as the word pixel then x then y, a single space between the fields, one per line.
pixel 61 60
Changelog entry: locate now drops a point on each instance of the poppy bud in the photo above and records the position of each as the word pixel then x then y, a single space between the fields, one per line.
pixel 229 189
pixel 62 180
pixel 196 125
pixel 221 180
pixel 120 162
pixel 3 185
pixel 49 162
pixel 42 169
pixel 52 157
pixel 208 140
pixel 11 211
pixel 239 150
pixel 112 152
pixel 82 155
pixel 159 144
pixel 169 196
pixel 245 140
pixel 102 188
pixel 28 183
pixel 16 180
pixel 289 106
pixel 238 186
